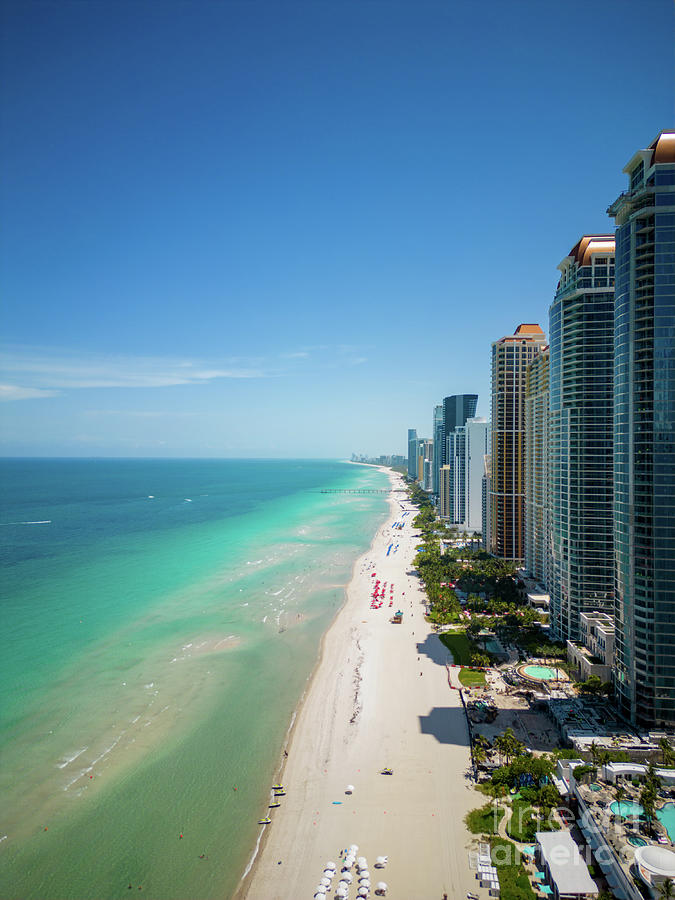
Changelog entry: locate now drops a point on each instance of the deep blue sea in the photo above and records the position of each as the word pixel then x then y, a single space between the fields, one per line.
pixel 160 619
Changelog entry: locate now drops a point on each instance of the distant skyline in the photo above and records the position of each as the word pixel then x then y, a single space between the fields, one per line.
pixel 290 229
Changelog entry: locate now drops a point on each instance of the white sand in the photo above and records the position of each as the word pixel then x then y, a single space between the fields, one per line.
pixel 368 707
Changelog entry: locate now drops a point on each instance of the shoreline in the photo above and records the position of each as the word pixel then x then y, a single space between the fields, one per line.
pixel 367 706
pixel 249 871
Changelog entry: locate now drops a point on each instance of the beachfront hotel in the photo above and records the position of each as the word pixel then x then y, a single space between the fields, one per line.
pixel 537 500
pixel 644 435
pixel 510 357
pixel 581 335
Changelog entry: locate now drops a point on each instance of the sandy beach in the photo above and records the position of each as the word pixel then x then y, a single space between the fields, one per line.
pixel 379 698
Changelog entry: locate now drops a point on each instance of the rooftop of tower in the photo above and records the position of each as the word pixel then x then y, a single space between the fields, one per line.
pixel 661 150
pixel 528 328
pixel 586 247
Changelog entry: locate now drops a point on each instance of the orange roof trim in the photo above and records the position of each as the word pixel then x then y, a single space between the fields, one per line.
pixel 528 328
pixel 664 148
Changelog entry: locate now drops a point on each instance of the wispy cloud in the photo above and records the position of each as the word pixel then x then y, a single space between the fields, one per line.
pixel 42 374
pixel 16 392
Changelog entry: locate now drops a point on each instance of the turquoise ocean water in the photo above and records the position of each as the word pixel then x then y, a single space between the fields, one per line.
pixel 159 622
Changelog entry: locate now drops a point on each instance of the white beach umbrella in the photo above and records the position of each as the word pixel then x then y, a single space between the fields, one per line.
pixel 349 789
pixel 381 886
pixel 319 895
pixel 325 882
pixel 364 883
pixel 362 862
pixel 362 892
pixel 365 875
pixel 354 848
pixel 320 891
pixel 347 863
pixel 342 889
pixel 348 877
pixel 331 865
pixel 328 873
pixel 381 862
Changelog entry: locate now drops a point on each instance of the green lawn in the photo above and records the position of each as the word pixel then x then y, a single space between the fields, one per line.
pixel 470 678
pixel 461 647
pixel 484 820
pixel 513 881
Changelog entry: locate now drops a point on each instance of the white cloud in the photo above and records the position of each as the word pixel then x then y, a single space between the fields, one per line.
pixel 47 372
pixel 16 392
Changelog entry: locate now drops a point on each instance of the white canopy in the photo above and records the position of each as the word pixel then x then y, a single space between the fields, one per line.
pixel 348 877
pixel 362 862
pixel 325 882
pixel 354 848
pixel 349 789
pixel 381 861
pixel 331 865
pixel 381 886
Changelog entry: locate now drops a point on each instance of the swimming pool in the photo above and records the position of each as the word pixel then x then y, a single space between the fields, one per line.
pixel 539 673
pixel 595 786
pixel 636 841
pixel 666 816
pixel 627 809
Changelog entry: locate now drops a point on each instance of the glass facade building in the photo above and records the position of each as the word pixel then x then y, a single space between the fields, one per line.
pixel 456 410
pixel 644 436
pixel 581 336
pixel 412 453
pixel 438 447
pixel 510 357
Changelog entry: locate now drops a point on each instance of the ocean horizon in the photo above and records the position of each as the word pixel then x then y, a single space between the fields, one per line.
pixel 161 618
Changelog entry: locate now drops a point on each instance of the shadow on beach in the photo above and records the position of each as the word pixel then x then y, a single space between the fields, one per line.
pixel 434 649
pixel 447 724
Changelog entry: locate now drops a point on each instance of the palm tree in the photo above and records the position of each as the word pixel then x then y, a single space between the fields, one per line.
pixel 666 889
pixel 594 752
pixel 666 753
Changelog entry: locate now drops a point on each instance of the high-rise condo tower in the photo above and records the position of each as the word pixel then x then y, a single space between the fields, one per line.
pixel 644 435
pixel 581 336
pixel 510 358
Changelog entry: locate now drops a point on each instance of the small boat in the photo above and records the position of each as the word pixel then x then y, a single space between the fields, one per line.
pixel 280 793
pixel 274 805
pixel 277 787
pixel 265 821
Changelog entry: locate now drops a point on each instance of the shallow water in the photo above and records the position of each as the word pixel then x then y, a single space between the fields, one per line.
pixel 158 634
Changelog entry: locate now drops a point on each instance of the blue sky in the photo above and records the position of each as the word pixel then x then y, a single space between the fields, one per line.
pixel 290 228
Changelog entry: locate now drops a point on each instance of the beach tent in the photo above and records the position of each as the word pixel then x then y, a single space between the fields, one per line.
pixel 381 888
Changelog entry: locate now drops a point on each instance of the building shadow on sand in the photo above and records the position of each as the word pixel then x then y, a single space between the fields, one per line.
pixel 434 649
pixel 447 725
